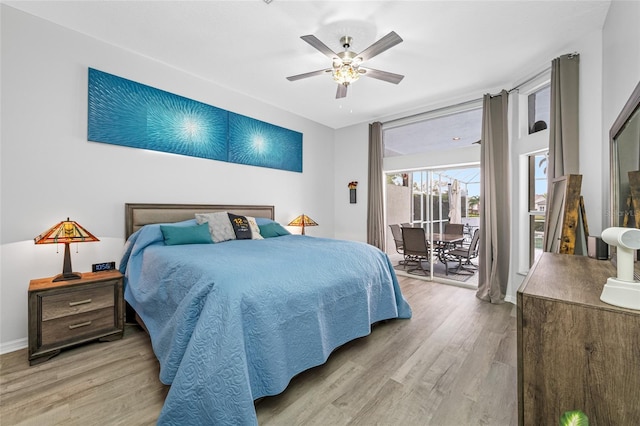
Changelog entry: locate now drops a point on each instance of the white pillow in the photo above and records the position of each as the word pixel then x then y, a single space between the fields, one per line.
pixel 255 229
pixel 220 226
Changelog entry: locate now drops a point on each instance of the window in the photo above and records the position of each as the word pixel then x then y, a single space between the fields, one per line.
pixel 539 109
pixel 428 198
pixel 537 203
pixel 532 105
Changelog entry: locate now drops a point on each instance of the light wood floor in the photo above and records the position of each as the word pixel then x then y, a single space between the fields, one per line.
pixel 453 363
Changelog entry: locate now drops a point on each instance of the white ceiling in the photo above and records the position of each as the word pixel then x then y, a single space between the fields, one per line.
pixel 451 49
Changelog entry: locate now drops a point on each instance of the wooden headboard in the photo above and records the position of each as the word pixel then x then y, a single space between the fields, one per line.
pixel 138 215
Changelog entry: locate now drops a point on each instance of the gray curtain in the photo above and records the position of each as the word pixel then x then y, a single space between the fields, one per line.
pixel 563 128
pixel 495 200
pixel 375 210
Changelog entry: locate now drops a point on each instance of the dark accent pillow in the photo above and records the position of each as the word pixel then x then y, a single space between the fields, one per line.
pixel 175 235
pixel 273 229
pixel 240 226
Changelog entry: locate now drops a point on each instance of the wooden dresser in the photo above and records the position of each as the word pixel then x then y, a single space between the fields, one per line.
pixel 574 351
pixel 66 313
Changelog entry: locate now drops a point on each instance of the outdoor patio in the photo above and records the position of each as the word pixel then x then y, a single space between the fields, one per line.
pixel 439 275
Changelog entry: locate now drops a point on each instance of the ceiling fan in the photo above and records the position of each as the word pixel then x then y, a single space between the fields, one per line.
pixel 346 68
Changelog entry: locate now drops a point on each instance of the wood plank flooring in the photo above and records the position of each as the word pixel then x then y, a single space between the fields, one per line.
pixel 453 363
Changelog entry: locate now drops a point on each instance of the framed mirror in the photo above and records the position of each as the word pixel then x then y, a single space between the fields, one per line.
pixel 624 154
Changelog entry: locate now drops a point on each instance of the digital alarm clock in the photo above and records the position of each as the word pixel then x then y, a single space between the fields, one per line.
pixel 104 266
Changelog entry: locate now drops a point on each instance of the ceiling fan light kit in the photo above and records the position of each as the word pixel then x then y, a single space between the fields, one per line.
pixel 346 65
pixel 345 68
pixel 345 74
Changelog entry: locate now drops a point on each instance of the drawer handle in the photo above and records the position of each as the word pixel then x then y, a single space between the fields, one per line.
pixel 80 302
pixel 82 324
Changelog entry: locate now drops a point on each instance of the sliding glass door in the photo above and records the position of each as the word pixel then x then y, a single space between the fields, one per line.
pixel 429 199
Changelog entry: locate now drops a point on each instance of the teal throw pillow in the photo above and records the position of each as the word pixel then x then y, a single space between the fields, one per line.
pixel 273 229
pixel 264 221
pixel 175 235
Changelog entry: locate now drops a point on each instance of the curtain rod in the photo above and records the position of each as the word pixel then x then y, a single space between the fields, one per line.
pixel 529 80
pixel 547 69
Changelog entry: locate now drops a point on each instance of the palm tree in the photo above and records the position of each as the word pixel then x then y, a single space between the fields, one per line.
pixel 474 200
pixel 542 161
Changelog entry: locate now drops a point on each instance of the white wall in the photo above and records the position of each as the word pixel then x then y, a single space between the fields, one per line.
pixel 351 146
pixel 620 75
pixel 49 171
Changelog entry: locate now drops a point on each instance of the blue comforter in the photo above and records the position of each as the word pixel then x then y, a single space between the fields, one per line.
pixel 235 321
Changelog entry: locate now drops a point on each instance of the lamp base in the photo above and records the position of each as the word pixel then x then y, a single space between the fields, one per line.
pixel 625 294
pixel 69 276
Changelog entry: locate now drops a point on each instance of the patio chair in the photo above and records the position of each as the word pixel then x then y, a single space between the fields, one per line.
pixel 454 228
pixel 396 232
pixel 466 254
pixel 415 248
pixel 467 233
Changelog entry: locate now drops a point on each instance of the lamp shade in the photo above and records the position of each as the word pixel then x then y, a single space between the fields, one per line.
pixel 65 232
pixel 303 220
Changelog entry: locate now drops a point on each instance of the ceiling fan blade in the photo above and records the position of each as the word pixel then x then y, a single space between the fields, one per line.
pixel 382 75
pixel 315 42
pixel 342 91
pixel 386 42
pixel 307 74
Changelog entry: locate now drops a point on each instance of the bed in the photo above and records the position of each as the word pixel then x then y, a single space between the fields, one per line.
pixel 234 321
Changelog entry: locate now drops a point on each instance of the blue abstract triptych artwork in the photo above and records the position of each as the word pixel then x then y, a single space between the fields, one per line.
pixel 123 112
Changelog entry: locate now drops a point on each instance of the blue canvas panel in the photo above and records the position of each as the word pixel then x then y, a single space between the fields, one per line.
pixel 123 112
pixel 257 143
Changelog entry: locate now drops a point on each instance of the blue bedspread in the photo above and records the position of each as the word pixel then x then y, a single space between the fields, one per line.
pixel 235 321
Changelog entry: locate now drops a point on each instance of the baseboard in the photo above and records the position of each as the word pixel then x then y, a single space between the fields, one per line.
pixel 14 345
pixel 510 299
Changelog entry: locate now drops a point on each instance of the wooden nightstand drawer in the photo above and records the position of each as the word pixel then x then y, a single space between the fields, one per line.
pixel 72 327
pixel 78 301
pixel 67 313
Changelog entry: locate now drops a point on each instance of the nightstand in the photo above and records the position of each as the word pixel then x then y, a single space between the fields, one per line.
pixel 67 313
